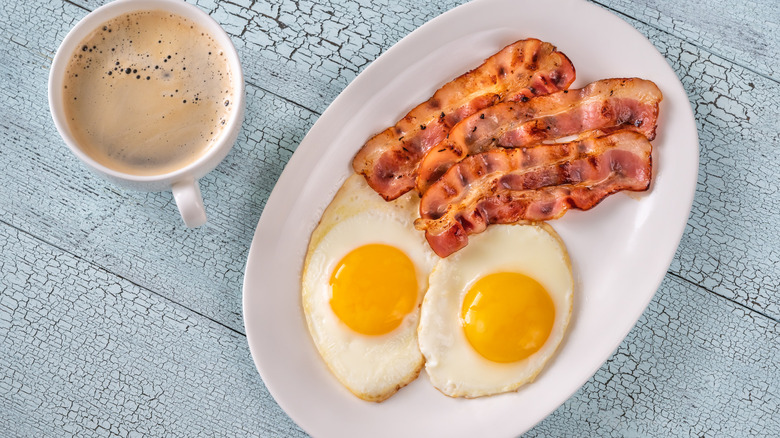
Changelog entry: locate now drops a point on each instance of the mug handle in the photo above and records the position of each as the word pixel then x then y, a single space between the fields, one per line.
pixel 190 202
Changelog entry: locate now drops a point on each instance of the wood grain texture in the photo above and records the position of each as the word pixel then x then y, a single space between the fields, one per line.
pixel 283 42
pixel 745 33
pixel 309 50
pixel 115 319
pixel 694 365
pixel 171 260
pixel 105 357
pixel 86 353
pixel 731 245
pixel 138 235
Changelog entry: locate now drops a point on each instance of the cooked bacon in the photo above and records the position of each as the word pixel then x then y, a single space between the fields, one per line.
pixel 530 184
pixel 605 104
pixel 521 70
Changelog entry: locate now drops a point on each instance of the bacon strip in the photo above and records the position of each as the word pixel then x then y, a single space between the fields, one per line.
pixel 530 184
pixel 605 104
pixel 521 70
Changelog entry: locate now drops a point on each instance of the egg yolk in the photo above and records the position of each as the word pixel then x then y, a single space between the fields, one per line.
pixel 374 287
pixel 507 316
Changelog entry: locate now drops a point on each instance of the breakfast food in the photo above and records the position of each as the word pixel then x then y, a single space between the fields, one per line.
pixel 505 144
pixel 626 103
pixel 365 275
pixel 521 70
pixel 539 183
pixel 496 311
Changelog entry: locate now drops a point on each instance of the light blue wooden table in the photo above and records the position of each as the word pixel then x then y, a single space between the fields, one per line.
pixel 115 320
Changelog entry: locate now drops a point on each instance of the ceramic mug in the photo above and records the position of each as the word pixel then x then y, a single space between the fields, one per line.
pixel 183 182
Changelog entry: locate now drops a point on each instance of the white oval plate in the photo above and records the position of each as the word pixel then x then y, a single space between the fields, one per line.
pixel 620 250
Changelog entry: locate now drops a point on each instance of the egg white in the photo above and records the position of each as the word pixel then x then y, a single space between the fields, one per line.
pixel 455 368
pixel 371 367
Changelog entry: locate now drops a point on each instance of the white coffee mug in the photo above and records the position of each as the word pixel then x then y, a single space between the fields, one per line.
pixel 183 182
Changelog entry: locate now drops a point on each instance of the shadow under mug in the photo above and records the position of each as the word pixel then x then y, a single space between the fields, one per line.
pixel 183 182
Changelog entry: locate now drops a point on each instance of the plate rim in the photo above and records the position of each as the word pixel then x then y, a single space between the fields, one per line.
pixel 300 160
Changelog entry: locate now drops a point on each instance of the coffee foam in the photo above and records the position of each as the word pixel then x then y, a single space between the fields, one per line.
pixel 147 93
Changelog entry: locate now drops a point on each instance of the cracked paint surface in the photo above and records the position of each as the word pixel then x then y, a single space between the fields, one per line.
pixel 89 354
pixel 112 314
pixel 132 233
pixel 729 245
pixel 744 33
pixel 694 365
pixel 309 50
pixel 103 357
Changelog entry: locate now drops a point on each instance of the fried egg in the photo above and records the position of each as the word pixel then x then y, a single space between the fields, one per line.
pixel 496 310
pixel 364 278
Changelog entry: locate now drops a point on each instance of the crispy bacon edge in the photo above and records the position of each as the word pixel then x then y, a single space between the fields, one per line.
pixel 531 185
pixel 608 104
pixel 526 68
